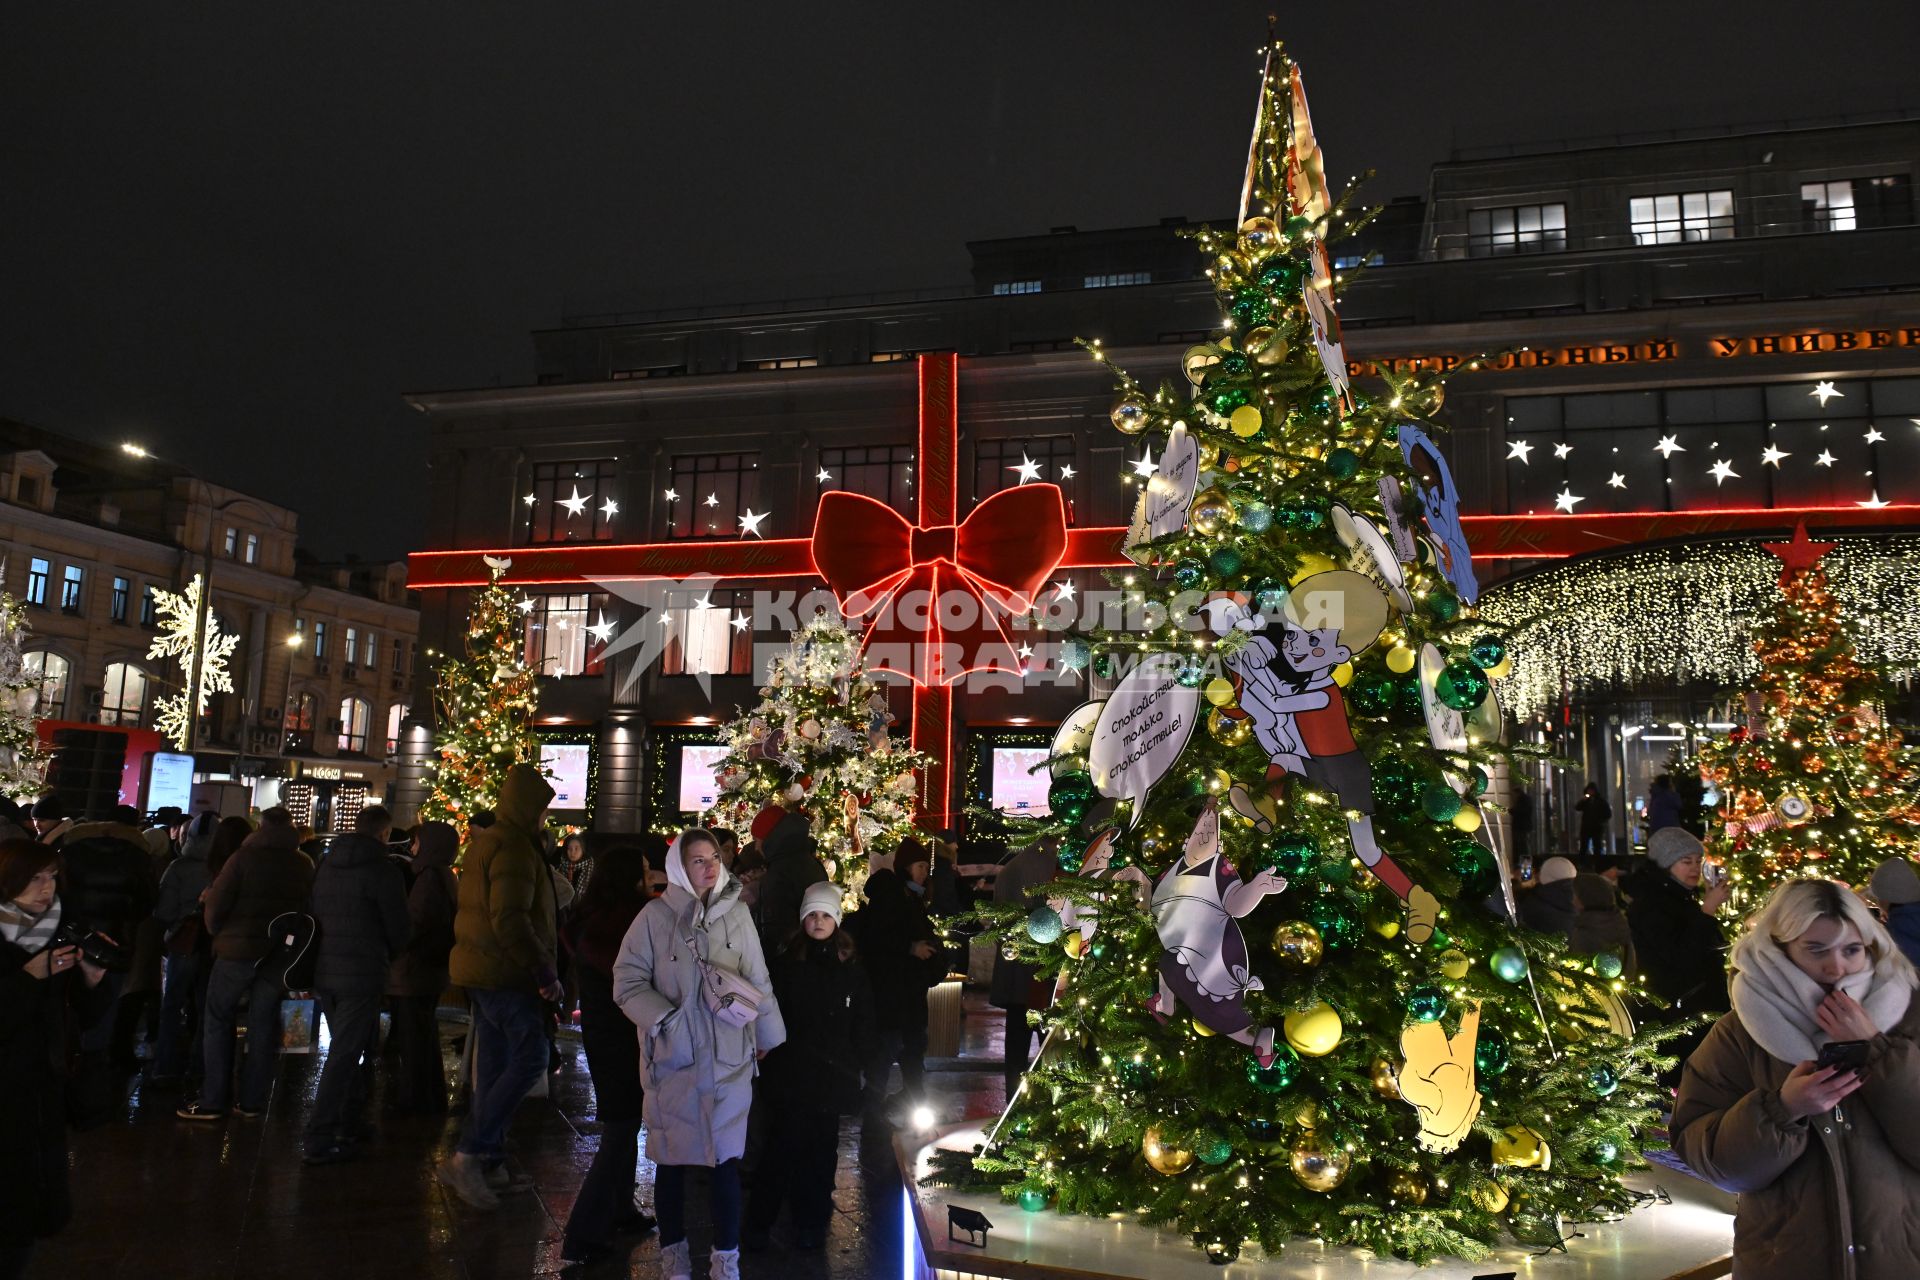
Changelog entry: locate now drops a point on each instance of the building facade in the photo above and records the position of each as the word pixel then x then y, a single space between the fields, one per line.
pixel 324 665
pixel 1651 344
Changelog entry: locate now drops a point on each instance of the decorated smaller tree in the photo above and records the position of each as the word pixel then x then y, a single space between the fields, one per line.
pixel 1816 782
pixel 484 700
pixel 23 761
pixel 819 740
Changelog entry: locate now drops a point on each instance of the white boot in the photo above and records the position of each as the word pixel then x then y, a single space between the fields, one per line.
pixel 725 1265
pixel 676 1261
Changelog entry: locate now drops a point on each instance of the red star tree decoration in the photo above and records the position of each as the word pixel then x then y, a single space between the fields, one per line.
pixel 1799 555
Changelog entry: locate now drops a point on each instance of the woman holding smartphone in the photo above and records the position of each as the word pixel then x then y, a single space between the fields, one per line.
pixel 1805 1100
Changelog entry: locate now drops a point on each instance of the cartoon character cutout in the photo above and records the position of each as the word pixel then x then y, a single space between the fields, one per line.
pixel 1434 482
pixel 1299 714
pixel 1204 963
pixel 1324 322
pixel 1095 864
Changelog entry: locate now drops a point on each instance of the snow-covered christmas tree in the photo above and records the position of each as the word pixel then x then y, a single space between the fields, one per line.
pixel 819 740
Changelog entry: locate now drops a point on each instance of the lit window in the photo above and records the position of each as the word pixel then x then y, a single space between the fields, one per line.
pixel 399 657
pixel 123 698
pixel 1348 261
pixel 319 640
pixel 396 716
pixel 1849 204
pixel 1526 228
pixel 51 670
pixel 350 653
pixel 73 588
pixel 117 604
pixel 1682 217
pixel 370 653
pixel 715 490
pixel 1017 286
pixel 38 571
pixel 354 716
pixel 558 642
pixel 233 540
pixel 882 471
pixel 570 502
pixel 701 637
pixel 252 555
pixel 783 362
pixel 149 608
pixel 1118 278
pixel 302 710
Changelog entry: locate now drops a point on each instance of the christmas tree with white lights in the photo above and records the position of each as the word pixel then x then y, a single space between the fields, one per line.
pixel 23 761
pixel 484 700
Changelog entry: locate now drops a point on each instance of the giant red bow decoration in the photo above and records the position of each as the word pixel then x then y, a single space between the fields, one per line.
pixel 940 589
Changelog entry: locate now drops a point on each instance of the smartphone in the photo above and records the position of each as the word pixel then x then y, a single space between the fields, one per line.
pixel 1714 874
pixel 1848 1054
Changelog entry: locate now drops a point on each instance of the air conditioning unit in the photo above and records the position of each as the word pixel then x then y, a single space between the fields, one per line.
pixel 398 684
pixel 333 726
pixel 96 696
pixel 270 714
pixel 350 671
pixel 321 666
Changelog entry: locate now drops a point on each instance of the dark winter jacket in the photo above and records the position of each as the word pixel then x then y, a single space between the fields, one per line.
pixel 504 929
pixel 886 928
pixel 360 904
pixel 1594 813
pixel 36 1018
pixel 184 880
pixel 421 967
pixel 1602 924
pixel 1681 952
pixel 791 867
pixel 1549 908
pixel 107 879
pixel 1663 809
pixel 265 876
pixel 828 1006
pixel 1903 922
pixel 1019 881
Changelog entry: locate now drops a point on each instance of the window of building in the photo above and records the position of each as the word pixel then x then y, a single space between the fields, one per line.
pixel 1117 278
pixel 350 652
pixel 251 554
pixel 713 490
pixel 1682 216
pixel 52 671
pixel 399 656
pixel 701 636
pixel 319 640
pixel 1348 261
pixel 355 715
pixel 396 716
pixel 38 571
pixel 370 652
pixel 123 697
pixel 651 371
pixel 558 639
pixel 1016 286
pixel 570 502
pixel 117 602
pixel 149 608
pixel 1525 228
pixel 26 491
pixel 73 588
pixel 233 540
pixel 302 710
pixel 879 471
pixel 783 362
pixel 1847 204
pixel 997 463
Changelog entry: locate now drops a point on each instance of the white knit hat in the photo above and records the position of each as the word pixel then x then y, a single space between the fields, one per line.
pixel 823 897
pixel 1554 870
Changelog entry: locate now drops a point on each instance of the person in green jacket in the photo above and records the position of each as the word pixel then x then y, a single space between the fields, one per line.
pixel 503 954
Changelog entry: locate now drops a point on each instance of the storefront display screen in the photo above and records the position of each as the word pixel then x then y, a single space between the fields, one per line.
pixel 566 765
pixel 698 790
pixel 1018 787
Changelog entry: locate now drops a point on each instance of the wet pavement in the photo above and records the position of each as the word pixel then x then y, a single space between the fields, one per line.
pixel 156 1196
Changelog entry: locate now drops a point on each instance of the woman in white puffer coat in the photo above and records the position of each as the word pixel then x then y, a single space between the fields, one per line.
pixel 698 1070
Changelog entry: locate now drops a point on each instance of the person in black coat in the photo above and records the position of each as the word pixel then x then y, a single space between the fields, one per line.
pixel 1550 906
pixel 1595 813
pixel 43 989
pixel 815 1077
pixel 1680 948
pixel 903 959
pixel 792 866
pixel 360 906
pixel 108 884
pixel 418 1082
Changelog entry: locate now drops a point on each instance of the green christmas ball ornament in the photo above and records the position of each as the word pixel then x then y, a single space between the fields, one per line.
pixel 1044 925
pixel 1033 1199
pixel 1439 802
pixel 1212 1148
pixel 1337 923
pixel 1293 854
pixel 1337 869
pixel 1269 594
pixel 1343 463
pixel 1136 1074
pixel 1191 674
pixel 1407 696
pixel 1487 651
pixel 1233 364
pixel 1282 275
pixel 1605 1153
pixel 1603 1080
pixel 1251 308
pixel 1443 605
pixel 1608 965
pixel 1102 664
pixel 1490 1053
pixel 1070 859
pixel 1426 1004
pixel 1276 1078
pixel 1189 574
pixel 1461 685
pixel 1225 561
pixel 1227 399
pixel 1477 780
pixel 1075 654
pixel 1323 402
pixel 1298 227
pixel 1371 694
pixel 1255 516
pixel 1509 964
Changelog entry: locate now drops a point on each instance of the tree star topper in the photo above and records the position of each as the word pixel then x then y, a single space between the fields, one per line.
pixel 180 638
pixel 1799 554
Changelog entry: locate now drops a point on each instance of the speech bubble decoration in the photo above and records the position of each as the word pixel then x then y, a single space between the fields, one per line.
pixel 1368 553
pixel 1143 728
pixel 1072 739
pixel 1445 726
pixel 1162 508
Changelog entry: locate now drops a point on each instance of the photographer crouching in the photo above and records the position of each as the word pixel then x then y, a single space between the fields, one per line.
pixel 48 975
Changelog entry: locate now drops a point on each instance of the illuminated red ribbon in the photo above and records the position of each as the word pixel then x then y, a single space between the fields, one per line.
pixel 1000 556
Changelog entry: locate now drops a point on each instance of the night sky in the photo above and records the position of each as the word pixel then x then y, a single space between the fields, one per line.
pixel 237 233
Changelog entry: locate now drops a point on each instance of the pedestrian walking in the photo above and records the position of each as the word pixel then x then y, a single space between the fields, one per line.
pixel 418 974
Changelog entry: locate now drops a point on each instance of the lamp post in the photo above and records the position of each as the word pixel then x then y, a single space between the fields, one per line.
pixel 294 644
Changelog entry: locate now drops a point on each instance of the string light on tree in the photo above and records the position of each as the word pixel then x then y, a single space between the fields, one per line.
pixel 23 761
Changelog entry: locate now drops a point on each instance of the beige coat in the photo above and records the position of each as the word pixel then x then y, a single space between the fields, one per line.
pixel 1834 1197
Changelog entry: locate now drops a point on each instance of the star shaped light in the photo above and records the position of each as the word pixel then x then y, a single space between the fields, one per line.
pixel 1873 503
pixel 1874 435
pixel 1826 459
pixel 1562 450
pixel 825 476
pixel 1616 481
pixel 576 505
pixel 1566 500
pixel 609 508
pixel 713 500
pixel 1067 473
pixel 529 499
pixel 1518 449
pixel 602 631
pixel 1773 455
pixel 673 495
pixel 750 523
pixel 1722 471
pixel 1063 590
pixel 1028 468
pixel 1823 392
pixel 1669 446
pixel 1145 466
pixel 1026 651
pixel 525 605
pixel 741 623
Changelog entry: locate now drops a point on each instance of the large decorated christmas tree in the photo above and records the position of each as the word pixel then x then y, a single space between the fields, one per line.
pixel 484 700
pixel 1287 1008
pixel 23 760
pixel 1816 782
pixel 819 741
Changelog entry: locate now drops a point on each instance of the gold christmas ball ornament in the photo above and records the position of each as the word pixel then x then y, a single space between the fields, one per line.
pixel 1259 237
pixel 1198 361
pixel 1385 1082
pixel 1226 730
pixel 1519 1147
pixel 1491 1197
pixel 1501 669
pixel 1074 945
pixel 1315 1032
pixel 1307 1114
pixel 1400 659
pixel 1202 1030
pixel 1231 266
pixel 1266 345
pixel 1211 511
pixel 1468 820
pixel 1209 456
pixel 1317 1163
pixel 1219 691
pixel 1299 946
pixel 1455 963
pixel 1343 674
pixel 1408 1187
pixel 1168 1160
pixel 1245 422
pixel 1131 414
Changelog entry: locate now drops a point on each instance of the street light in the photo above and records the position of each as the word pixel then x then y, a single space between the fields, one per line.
pixel 129 447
